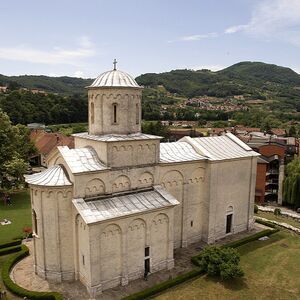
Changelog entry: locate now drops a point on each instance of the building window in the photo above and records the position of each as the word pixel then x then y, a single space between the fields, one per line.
pixel 35 227
pixel 115 114
pixel 228 223
pixel 92 113
pixel 83 262
pixel 192 223
pixel 147 251
pixel 137 113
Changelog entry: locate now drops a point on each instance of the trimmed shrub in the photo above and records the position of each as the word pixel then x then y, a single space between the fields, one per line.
pixel 165 285
pixel 277 211
pixel 10 250
pixel 255 209
pixel 223 262
pixel 19 291
pixel 266 223
pixel 10 244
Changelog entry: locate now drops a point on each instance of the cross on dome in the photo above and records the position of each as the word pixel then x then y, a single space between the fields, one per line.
pixel 115 64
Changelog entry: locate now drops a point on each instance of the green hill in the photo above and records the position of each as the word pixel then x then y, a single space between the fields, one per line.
pixel 62 85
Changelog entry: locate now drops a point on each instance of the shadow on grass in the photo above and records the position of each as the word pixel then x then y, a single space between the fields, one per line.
pixel 236 284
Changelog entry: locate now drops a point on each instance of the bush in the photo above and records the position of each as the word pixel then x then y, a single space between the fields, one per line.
pixel 164 285
pixel 277 211
pixel 9 250
pixel 17 290
pixel 255 209
pixel 218 261
pixel 10 244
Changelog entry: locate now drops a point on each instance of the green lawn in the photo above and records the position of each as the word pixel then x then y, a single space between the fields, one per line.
pixel 272 271
pixel 281 219
pixel 19 213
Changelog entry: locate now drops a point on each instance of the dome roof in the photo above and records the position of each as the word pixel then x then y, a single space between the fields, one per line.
pixel 114 78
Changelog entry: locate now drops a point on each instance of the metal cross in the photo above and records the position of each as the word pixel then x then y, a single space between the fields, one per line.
pixel 115 64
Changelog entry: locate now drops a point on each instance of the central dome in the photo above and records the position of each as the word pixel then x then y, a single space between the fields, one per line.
pixel 114 78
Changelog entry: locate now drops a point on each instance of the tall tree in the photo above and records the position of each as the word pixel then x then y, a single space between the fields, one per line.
pixel 14 152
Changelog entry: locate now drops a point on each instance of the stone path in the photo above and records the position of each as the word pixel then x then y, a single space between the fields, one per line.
pixel 24 275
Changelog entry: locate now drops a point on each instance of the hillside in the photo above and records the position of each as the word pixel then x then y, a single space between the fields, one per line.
pixel 256 79
pixel 62 85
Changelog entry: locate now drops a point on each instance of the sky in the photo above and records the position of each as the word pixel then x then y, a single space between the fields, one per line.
pixel 82 38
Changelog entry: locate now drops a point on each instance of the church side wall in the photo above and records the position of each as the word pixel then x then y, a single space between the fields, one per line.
pixel 118 248
pixel 53 237
pixel 187 183
pixel 231 192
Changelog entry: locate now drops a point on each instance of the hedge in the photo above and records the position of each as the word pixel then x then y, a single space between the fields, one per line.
pixel 10 244
pixel 266 223
pixel 9 250
pixel 17 290
pixel 165 285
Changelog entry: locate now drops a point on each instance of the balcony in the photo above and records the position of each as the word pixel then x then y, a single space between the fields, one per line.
pixel 271 192
pixel 272 181
pixel 273 172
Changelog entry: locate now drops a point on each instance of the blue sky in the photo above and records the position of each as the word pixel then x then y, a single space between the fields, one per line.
pixel 81 38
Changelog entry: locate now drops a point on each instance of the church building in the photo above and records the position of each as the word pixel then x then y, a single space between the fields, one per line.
pixel 117 205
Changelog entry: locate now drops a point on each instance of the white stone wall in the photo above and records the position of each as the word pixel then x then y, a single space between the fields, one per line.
pixel 53 239
pixel 231 190
pixel 187 183
pixel 124 153
pixel 117 248
pixel 101 115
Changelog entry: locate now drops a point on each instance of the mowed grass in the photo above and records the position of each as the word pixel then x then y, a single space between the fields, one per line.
pixel 19 213
pixel 281 219
pixel 272 271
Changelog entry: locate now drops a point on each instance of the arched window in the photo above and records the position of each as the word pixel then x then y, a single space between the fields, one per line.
pixel 35 227
pixel 92 112
pixel 115 116
pixel 137 113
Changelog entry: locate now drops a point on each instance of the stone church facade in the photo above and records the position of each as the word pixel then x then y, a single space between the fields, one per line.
pixel 116 206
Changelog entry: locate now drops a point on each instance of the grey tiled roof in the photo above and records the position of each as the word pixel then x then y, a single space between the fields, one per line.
pixel 221 147
pixel 117 137
pixel 81 159
pixel 178 152
pixel 123 204
pixel 114 78
pixel 53 176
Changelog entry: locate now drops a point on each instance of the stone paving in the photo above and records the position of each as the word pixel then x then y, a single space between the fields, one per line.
pixel 24 275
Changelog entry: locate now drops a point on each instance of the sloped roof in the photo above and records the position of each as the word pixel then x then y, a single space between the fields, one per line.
pixel 81 159
pixel 53 176
pixel 223 147
pixel 45 142
pixel 124 204
pixel 178 152
pixel 117 137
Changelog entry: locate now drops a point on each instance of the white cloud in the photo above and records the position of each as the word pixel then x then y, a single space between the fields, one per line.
pixel 79 74
pixel 54 56
pixel 235 29
pixel 213 68
pixel 195 37
pixel 273 19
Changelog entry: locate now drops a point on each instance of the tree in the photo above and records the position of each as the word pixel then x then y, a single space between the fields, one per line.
pixel 223 262
pixel 14 153
pixel 291 186
pixel 292 131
